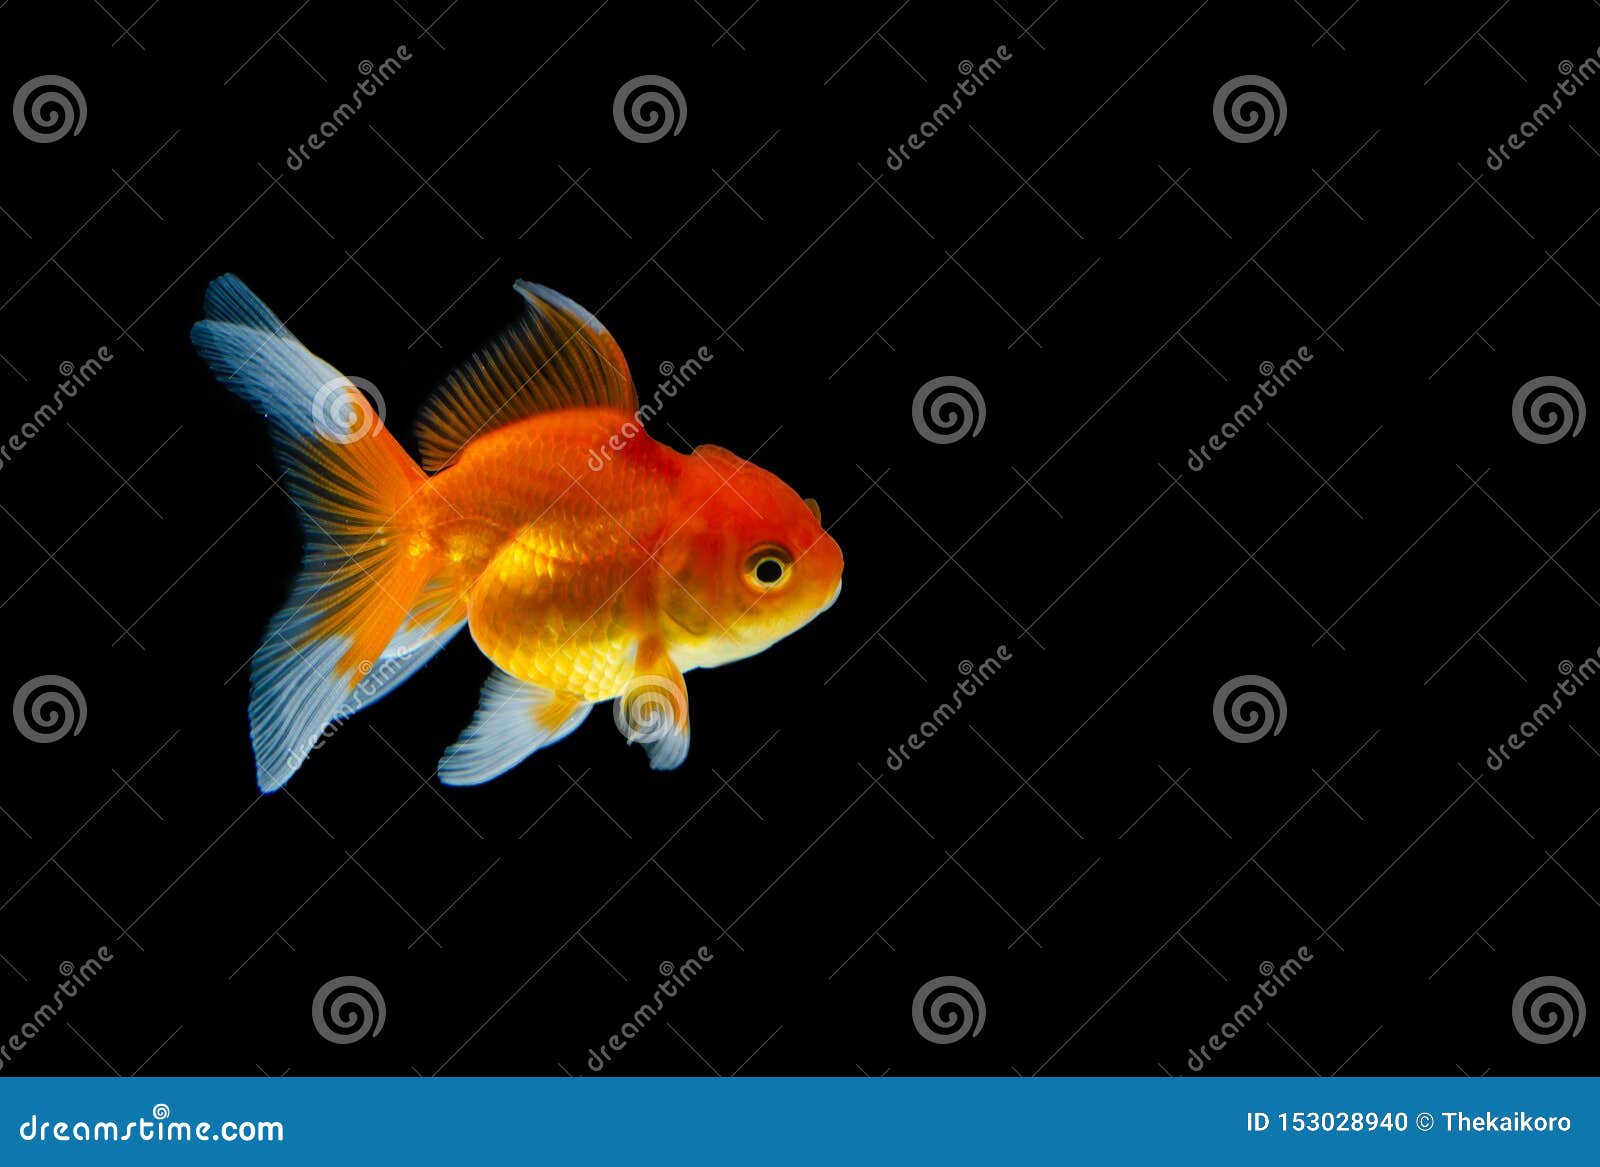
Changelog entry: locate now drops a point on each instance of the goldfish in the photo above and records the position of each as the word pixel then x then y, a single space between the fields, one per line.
pixel 580 584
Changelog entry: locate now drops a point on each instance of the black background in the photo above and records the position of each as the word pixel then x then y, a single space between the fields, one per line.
pixel 1109 270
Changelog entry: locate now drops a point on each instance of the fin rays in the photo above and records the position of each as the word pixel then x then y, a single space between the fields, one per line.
pixel 514 719
pixel 557 356
pixel 349 480
pixel 375 601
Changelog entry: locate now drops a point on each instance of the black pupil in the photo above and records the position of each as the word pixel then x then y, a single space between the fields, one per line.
pixel 769 571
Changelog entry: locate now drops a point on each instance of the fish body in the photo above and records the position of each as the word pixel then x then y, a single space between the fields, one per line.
pixel 580 584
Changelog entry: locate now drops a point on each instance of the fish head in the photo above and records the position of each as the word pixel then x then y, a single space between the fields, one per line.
pixel 749 566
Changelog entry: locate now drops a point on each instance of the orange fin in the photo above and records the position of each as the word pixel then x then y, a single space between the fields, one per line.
pixel 350 482
pixel 558 356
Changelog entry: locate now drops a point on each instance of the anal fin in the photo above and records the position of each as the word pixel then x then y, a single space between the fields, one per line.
pixel 514 719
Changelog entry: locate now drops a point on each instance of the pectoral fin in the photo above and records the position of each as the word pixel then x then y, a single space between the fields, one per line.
pixel 653 708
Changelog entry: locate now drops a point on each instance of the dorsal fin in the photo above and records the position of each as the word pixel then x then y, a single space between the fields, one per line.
pixel 558 356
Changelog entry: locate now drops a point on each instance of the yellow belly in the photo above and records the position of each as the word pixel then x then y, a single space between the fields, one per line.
pixel 563 624
pixel 550 556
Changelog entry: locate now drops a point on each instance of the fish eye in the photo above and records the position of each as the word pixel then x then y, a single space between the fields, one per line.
pixel 768 566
